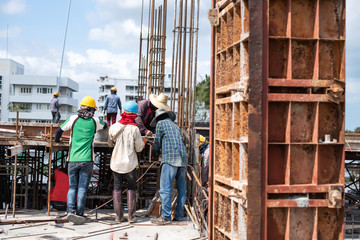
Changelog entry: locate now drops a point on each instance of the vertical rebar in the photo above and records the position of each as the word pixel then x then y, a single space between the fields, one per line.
pixel 151 46
pixel 49 172
pixel 15 164
pixel 172 90
pixel 179 61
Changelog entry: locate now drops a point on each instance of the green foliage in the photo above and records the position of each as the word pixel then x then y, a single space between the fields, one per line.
pixel 356 130
pixel 203 92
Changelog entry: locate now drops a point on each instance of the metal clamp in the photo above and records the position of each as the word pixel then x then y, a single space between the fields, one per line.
pixel 213 16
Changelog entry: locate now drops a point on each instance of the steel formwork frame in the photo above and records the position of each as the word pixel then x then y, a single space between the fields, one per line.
pixel 277 95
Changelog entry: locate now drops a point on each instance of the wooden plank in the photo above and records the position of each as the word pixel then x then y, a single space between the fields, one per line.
pixel 300 188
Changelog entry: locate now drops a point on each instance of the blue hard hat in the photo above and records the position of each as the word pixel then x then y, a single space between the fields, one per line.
pixel 131 106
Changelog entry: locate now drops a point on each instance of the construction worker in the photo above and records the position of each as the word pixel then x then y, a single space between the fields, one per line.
pixel 147 109
pixel 83 127
pixel 55 108
pixel 126 138
pixel 169 142
pixel 112 103
pixel 204 152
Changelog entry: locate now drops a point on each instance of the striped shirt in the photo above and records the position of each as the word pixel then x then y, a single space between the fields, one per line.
pixel 168 141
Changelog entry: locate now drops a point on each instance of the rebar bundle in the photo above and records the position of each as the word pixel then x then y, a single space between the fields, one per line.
pixel 184 61
pixel 152 62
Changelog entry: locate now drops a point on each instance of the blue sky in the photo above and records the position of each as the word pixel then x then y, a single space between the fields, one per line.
pixel 103 39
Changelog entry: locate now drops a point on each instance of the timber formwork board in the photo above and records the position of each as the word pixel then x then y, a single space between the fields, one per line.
pixel 278 83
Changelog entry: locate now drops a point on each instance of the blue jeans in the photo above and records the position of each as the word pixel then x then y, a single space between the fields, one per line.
pixel 168 174
pixel 79 179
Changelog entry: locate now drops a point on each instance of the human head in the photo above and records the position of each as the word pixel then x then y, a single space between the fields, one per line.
pixel 160 101
pixel 88 102
pixel 131 107
pixel 56 94
pixel 162 114
pixel 202 139
pixel 113 90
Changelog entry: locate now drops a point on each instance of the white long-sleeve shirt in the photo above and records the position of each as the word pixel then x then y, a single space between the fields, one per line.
pixel 124 158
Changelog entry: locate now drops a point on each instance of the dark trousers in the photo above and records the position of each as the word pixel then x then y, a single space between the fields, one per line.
pixel 111 118
pixel 56 117
pixel 130 178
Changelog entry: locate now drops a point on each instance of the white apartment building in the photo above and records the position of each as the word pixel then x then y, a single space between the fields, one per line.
pixel 32 94
pixel 126 89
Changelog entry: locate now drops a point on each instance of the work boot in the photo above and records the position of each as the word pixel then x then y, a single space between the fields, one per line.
pixel 117 202
pixel 131 202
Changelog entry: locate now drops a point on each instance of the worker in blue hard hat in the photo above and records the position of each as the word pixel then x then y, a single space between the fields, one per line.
pixel 126 139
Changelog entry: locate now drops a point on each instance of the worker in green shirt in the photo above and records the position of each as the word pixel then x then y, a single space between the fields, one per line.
pixel 83 127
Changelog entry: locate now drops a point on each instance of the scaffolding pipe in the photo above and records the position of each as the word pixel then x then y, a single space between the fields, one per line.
pixel 15 164
pixel 49 174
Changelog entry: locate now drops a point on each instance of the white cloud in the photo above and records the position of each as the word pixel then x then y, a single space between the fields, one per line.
pixel 13 7
pixel 352 90
pixel 120 4
pixel 117 34
pixel 12 31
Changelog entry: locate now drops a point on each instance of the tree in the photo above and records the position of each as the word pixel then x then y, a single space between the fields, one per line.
pixel 203 99
pixel 203 92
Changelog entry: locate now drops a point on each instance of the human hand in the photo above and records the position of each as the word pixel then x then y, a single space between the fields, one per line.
pixel 149 133
pixel 103 112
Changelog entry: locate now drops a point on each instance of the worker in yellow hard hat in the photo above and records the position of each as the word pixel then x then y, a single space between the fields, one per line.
pixel 81 155
pixel 112 103
pixel 55 108
pixel 204 152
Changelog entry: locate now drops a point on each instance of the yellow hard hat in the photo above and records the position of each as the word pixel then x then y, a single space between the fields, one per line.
pixel 56 94
pixel 113 89
pixel 88 101
pixel 202 139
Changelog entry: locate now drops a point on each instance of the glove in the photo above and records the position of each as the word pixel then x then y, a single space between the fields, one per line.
pixel 103 112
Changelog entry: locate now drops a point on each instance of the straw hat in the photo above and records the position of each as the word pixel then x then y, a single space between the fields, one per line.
pixel 160 112
pixel 160 101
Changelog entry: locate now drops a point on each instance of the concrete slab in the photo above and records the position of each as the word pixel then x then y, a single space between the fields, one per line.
pixel 103 228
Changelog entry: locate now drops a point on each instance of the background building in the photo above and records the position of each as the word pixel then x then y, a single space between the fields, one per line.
pixel 126 89
pixel 32 94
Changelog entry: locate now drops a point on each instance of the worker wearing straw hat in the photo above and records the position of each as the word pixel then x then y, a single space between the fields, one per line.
pixel 147 109
pixel 169 142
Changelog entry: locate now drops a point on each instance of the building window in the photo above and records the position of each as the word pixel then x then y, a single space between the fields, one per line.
pixel 129 88
pixel 0 82
pixel 44 90
pixel 0 99
pixel 25 90
pixel 129 98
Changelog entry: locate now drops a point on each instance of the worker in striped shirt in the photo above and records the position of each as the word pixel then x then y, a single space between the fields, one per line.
pixel 168 141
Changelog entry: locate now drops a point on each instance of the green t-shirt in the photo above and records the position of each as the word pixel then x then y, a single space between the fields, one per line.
pixel 82 137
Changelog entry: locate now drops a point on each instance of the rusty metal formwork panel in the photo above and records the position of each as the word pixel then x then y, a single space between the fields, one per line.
pixel 277 131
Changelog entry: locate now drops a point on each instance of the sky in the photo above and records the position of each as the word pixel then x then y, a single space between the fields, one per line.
pixel 103 39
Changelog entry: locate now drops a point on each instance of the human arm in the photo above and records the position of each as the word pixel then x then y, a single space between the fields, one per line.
pixel 106 103
pixel 100 124
pixel 111 140
pixel 119 104
pixel 139 143
pixel 143 107
pixel 64 127
pixel 158 140
pixel 58 135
